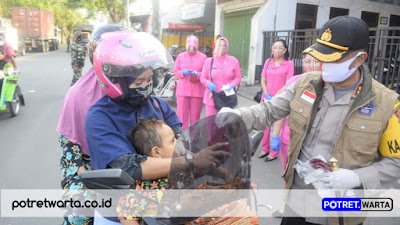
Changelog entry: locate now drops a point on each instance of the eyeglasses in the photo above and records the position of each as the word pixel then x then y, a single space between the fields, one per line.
pixel 278 47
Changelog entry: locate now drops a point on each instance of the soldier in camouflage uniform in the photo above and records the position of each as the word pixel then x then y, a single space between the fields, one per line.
pixel 78 53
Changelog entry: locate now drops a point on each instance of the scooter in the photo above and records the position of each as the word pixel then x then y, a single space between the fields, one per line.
pixel 11 96
pixel 165 84
pixel 198 136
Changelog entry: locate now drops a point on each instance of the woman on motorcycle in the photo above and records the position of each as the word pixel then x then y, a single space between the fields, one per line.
pixel 4 68
pixel 189 93
pixel 124 64
pixel 75 152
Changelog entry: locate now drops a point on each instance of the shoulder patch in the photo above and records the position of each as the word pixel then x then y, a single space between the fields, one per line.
pixel 390 140
pixel 367 110
pixel 396 111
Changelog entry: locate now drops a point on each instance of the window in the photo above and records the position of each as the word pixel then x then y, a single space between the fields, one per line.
pixel 338 12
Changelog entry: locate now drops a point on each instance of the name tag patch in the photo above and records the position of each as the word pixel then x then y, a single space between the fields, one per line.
pixel 367 110
pixel 308 96
pixel 396 112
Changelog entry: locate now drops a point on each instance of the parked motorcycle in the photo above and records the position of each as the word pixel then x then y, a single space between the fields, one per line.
pixel 11 96
pixel 197 137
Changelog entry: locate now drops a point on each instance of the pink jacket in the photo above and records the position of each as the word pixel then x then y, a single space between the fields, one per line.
pixel 80 97
pixel 226 70
pixel 277 76
pixel 285 130
pixel 195 63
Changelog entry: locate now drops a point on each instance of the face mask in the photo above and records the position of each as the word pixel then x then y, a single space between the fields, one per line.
pixel 191 50
pixel 338 72
pixel 277 53
pixel 1 43
pixel 221 51
pixel 138 96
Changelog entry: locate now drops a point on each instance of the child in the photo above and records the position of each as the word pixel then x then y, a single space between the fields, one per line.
pixel 152 138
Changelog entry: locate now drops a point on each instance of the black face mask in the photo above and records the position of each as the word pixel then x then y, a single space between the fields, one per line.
pixel 138 96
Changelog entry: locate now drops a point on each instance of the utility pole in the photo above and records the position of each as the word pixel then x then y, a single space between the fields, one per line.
pixel 127 14
pixel 156 18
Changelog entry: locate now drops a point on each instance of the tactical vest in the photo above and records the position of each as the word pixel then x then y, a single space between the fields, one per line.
pixel 357 145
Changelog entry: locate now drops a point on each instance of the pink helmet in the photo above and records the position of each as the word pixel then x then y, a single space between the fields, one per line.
pixel 124 54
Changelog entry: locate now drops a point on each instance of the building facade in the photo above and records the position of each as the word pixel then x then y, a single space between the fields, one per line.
pixel 243 22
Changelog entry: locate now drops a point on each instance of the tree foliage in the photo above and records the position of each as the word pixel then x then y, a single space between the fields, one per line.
pixel 115 9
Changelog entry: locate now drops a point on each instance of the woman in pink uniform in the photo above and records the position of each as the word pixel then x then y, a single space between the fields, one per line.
pixel 189 93
pixel 283 135
pixel 225 71
pixel 276 72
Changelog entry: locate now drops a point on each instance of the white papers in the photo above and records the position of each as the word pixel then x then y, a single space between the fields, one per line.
pixel 225 89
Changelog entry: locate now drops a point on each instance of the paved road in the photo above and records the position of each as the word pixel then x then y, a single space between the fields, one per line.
pixel 29 146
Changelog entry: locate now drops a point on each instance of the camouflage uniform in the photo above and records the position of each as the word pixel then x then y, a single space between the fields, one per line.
pixel 78 53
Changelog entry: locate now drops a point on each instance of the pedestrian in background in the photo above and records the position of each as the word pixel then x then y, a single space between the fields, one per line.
pixel 9 53
pixel 225 71
pixel 190 92
pixel 78 54
pixel 277 71
pixel 68 41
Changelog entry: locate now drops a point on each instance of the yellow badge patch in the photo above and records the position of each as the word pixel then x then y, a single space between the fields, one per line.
pixel 390 140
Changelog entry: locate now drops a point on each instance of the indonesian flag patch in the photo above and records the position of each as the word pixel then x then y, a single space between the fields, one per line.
pixel 308 96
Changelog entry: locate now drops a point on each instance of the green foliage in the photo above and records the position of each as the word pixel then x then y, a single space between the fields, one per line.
pixel 114 9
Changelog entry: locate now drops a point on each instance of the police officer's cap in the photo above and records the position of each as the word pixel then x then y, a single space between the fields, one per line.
pixel 339 36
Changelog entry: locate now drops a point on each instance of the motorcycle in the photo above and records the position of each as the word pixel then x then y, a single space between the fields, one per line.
pixel 165 83
pixel 196 138
pixel 11 96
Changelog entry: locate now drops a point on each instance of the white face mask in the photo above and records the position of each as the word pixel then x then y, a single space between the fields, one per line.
pixel 1 43
pixel 338 72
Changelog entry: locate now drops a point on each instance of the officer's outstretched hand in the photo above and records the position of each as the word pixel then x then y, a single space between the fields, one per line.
pixel 341 179
pixel 227 116
pixel 208 160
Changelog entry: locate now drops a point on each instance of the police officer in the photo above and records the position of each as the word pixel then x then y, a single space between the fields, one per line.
pixel 78 53
pixel 342 112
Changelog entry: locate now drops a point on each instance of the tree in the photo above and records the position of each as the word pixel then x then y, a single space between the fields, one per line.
pixel 115 9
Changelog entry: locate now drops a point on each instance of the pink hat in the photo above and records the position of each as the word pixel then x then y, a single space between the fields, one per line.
pixel 192 41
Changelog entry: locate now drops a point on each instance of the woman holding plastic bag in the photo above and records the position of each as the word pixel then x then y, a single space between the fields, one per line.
pixel 220 74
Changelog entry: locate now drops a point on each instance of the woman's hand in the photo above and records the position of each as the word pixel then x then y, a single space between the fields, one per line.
pixel 211 86
pixel 81 169
pixel 268 96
